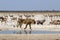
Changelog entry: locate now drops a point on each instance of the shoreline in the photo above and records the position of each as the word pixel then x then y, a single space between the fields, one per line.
pixel 34 27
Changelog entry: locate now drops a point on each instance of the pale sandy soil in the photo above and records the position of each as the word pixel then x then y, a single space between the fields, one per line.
pixel 34 27
pixel 29 36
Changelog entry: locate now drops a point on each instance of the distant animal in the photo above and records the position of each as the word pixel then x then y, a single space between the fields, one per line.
pixel 14 18
pixel 55 22
pixel 3 19
pixel 29 22
pixel 40 21
pixel 11 15
pixel 20 22
pixel 25 21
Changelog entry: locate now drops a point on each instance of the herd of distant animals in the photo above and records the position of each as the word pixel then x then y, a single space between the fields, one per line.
pixel 27 21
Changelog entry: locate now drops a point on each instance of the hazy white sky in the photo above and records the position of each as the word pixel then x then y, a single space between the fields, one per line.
pixel 29 4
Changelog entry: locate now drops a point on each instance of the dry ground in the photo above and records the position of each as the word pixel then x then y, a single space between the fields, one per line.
pixel 29 36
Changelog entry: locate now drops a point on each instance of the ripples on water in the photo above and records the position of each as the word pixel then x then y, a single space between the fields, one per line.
pixel 28 32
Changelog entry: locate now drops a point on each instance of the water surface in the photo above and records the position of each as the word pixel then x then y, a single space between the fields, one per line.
pixel 28 32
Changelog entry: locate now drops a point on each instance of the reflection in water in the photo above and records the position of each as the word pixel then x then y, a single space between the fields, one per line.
pixel 27 32
pixel 17 32
pixel 22 32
